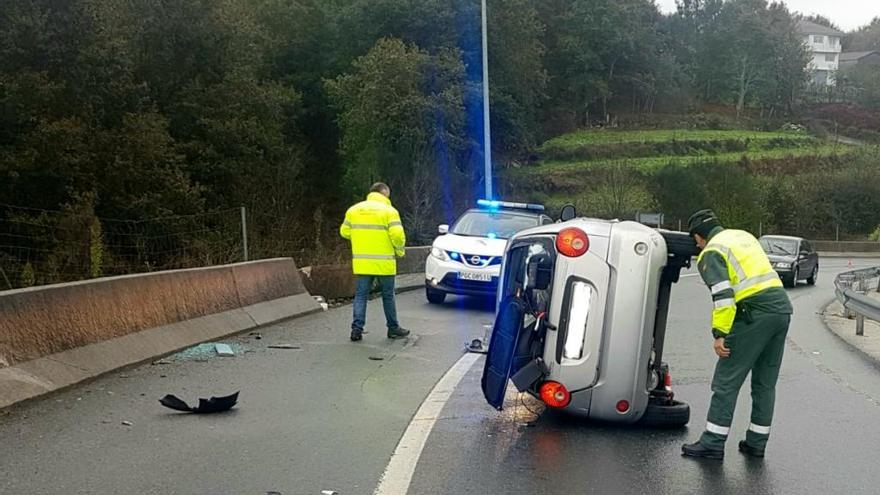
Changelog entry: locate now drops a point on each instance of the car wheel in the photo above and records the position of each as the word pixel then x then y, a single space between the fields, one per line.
pixel 792 279
pixel 435 296
pixel 673 414
pixel 813 276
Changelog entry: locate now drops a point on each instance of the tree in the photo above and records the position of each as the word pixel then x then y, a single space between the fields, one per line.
pixel 866 38
pixel 399 109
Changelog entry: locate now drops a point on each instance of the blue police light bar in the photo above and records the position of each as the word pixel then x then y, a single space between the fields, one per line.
pixel 495 205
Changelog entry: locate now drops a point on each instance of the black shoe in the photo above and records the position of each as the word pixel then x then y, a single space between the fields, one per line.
pixel 749 450
pixel 356 334
pixel 397 333
pixel 697 449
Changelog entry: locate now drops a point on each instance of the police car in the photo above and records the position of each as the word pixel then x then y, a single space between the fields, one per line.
pixel 466 258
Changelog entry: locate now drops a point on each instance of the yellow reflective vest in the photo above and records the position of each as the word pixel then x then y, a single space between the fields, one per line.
pixel 376 234
pixel 748 273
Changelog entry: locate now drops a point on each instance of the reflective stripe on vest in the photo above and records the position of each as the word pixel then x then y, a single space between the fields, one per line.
pixel 749 269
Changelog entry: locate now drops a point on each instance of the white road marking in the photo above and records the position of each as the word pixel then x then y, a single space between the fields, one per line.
pixel 399 472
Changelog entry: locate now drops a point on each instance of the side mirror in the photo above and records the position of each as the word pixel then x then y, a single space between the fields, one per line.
pixel 443 229
pixel 569 212
pixel 540 270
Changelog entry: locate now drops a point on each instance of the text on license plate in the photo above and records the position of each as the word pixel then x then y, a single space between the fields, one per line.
pixel 479 277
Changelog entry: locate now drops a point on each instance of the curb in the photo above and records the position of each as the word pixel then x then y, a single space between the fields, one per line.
pixel 42 376
pixel 849 337
pixel 829 254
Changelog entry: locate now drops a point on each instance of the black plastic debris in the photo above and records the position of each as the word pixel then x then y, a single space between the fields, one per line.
pixel 206 406
pixel 477 346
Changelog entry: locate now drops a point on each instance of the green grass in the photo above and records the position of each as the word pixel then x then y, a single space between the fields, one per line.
pixel 654 162
pixel 593 137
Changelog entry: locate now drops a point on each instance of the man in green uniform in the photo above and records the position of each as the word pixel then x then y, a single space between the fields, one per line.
pixel 749 323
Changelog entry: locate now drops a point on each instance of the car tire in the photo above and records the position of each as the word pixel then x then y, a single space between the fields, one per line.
pixel 791 281
pixel 674 414
pixel 435 296
pixel 813 276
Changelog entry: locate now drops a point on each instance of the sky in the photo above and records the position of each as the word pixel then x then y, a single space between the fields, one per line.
pixel 848 14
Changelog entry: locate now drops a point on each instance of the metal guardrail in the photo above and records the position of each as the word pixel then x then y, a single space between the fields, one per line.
pixel 852 290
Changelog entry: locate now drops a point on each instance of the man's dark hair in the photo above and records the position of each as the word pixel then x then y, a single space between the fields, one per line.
pixel 380 187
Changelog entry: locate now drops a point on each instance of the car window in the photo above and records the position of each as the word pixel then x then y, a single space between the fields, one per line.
pixel 806 246
pixel 774 245
pixel 500 225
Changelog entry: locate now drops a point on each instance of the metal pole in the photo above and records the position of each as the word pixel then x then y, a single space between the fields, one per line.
pixel 760 229
pixel 679 225
pixel 487 128
pixel 860 325
pixel 244 240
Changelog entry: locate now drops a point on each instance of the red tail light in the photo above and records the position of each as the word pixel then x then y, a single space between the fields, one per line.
pixel 554 394
pixel 572 242
pixel 622 406
pixel 667 382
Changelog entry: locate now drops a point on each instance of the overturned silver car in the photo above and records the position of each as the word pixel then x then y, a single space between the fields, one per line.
pixel 581 320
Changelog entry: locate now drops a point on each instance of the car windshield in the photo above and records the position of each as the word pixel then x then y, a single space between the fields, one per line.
pixel 500 225
pixel 779 246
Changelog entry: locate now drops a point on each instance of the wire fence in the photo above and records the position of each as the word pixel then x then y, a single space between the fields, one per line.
pixel 40 247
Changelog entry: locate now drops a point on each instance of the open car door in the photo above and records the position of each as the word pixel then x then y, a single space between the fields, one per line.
pixel 500 361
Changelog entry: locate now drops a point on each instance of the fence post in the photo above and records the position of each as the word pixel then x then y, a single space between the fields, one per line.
pixel 244 239
pixel 860 325
pixel 760 229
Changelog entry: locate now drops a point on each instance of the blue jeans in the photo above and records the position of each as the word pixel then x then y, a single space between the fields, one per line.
pixel 362 292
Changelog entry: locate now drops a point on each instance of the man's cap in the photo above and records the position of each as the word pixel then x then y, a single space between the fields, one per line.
pixel 703 222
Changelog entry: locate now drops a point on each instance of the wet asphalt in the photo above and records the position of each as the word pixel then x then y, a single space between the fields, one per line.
pixel 328 416
pixel 824 438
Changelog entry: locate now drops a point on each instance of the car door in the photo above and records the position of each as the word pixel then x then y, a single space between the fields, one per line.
pixel 812 256
pixel 805 263
pixel 513 324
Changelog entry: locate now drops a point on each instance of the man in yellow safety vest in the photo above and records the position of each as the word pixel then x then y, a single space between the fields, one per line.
pixel 750 321
pixel 377 239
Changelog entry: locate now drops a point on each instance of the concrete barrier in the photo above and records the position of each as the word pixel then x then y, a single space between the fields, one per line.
pixel 54 336
pixel 867 247
pixel 337 281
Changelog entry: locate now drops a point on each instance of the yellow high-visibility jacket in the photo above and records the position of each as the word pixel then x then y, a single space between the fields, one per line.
pixel 376 234
pixel 744 272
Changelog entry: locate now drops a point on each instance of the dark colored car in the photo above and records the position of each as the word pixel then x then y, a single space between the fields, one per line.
pixel 793 258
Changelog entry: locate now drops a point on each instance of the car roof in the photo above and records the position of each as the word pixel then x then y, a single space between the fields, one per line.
pixel 512 211
pixel 782 237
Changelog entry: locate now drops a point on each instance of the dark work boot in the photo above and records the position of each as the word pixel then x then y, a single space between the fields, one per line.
pixel 397 333
pixel 747 449
pixel 357 334
pixel 697 449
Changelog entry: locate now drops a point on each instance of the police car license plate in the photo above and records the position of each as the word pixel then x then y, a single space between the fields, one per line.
pixel 474 276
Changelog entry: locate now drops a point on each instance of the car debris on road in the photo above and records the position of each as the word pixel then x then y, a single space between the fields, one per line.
pixel 206 406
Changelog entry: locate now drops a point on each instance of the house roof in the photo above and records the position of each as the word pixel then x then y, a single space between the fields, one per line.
pixel 851 56
pixel 808 27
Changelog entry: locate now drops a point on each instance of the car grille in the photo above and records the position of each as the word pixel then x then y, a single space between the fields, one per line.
pixel 476 260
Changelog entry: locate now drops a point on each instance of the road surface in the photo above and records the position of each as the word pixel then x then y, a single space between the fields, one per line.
pixel 329 416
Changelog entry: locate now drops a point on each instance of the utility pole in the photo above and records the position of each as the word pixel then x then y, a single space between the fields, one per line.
pixel 487 128
pixel 244 239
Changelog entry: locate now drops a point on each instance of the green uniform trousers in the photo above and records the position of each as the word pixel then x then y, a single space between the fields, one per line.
pixel 756 344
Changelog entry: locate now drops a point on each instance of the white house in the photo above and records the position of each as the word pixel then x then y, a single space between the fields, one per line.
pixel 824 43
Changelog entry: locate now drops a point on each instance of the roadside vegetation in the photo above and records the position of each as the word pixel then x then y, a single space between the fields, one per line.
pixel 783 182
pixel 131 133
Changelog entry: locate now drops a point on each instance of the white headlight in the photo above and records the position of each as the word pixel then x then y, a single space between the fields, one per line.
pixel 438 253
